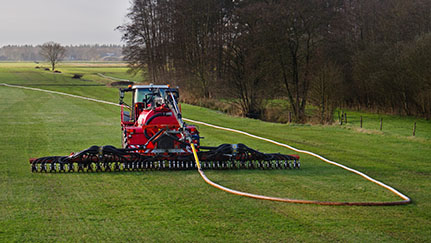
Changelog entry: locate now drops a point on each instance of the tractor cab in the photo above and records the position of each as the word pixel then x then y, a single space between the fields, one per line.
pixel 147 97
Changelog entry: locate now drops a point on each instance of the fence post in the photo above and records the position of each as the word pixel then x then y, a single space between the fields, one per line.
pixel 345 117
pixel 290 117
pixel 339 118
pixel 414 129
pixel 381 123
pixel 361 121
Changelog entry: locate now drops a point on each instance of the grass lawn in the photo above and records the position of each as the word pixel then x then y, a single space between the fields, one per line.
pixel 178 205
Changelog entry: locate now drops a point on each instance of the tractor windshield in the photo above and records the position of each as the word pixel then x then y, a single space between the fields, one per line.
pixel 141 93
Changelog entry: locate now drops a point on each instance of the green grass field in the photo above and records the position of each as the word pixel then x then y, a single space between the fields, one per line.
pixel 178 205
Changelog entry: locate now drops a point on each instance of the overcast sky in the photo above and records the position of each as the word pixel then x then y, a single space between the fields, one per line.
pixel 63 21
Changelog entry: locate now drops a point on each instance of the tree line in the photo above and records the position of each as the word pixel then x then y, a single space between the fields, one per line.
pixel 72 53
pixel 372 54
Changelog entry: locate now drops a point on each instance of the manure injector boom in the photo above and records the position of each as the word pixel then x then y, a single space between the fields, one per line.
pixel 154 136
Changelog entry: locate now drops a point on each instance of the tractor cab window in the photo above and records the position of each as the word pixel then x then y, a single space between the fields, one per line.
pixel 140 95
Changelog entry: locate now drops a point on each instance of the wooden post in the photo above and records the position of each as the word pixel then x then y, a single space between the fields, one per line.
pixel 361 121
pixel 342 118
pixel 339 118
pixel 414 129
pixel 345 117
pixel 381 123
pixel 290 117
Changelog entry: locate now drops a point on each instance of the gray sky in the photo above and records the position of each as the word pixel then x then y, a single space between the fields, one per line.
pixel 63 21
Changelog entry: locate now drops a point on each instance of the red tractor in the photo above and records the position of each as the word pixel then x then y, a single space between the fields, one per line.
pixel 153 125
pixel 156 137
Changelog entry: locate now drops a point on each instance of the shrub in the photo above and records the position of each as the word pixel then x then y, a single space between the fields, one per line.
pixel 77 76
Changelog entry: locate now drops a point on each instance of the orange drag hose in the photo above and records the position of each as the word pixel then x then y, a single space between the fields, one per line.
pixel 289 200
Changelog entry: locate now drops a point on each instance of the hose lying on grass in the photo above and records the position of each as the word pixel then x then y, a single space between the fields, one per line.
pixel 289 200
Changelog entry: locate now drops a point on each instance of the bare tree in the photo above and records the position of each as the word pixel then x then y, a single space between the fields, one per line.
pixel 325 90
pixel 199 35
pixel 246 59
pixel 296 29
pixel 53 52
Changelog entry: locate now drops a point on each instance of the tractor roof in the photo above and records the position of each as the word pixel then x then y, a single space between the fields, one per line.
pixel 150 86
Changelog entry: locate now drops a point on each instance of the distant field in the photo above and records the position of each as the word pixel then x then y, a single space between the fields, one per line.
pixel 178 205
pixel 19 72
